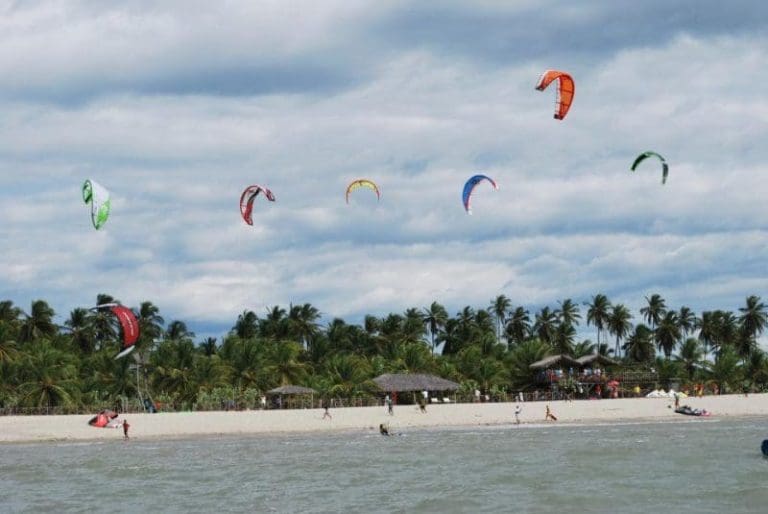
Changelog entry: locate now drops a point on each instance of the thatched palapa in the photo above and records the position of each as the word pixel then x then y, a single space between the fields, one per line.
pixel 590 360
pixel 291 389
pixel 555 360
pixel 405 382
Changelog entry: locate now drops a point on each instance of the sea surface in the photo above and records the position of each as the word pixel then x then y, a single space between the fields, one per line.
pixel 687 466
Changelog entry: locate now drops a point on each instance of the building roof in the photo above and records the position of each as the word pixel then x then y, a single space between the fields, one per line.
pixel 596 357
pixel 555 360
pixel 291 389
pixel 399 382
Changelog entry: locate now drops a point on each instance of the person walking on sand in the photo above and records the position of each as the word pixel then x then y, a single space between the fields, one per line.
pixel 390 409
pixel 326 414
pixel 518 410
pixel 423 405
pixel 126 426
pixel 549 415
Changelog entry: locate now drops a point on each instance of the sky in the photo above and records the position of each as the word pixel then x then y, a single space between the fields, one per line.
pixel 176 107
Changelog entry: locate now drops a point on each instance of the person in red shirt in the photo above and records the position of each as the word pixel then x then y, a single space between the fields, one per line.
pixel 126 426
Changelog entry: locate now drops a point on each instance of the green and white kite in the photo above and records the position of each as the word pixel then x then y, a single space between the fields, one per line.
pixel 98 196
pixel 664 168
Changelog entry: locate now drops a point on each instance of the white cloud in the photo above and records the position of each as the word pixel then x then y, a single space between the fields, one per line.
pixel 569 220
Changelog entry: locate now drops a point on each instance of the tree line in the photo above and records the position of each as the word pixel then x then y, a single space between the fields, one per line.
pixel 43 364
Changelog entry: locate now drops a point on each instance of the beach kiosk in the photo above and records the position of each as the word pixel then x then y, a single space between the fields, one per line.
pixel 410 387
pixel 291 396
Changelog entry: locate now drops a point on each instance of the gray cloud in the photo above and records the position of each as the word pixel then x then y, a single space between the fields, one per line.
pixel 569 220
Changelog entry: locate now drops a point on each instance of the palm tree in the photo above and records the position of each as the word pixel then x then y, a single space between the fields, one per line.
pixel 655 309
pixel 668 333
pixel 8 346
pixel 415 358
pixel 247 325
pixel 275 325
pixel 150 325
pixel 619 324
pixel 38 323
pixel 303 320
pixel 81 330
pixel 598 313
pixel 564 336
pixel 177 331
pixel 499 308
pixel 726 370
pixel 173 363
pixel 209 373
pixel 209 347
pixel 9 316
pixel 707 326
pixel 691 356
pixel 639 345
pixel 413 326
pixel 545 325
pixel 518 363
pixel 753 321
pixel 568 312
pixel 583 348
pixel 284 367
pixel 347 374
pixel 518 326
pixel 687 320
pixel 48 377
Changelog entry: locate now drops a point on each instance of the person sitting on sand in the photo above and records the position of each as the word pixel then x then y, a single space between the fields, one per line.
pixel 549 415
pixel 383 429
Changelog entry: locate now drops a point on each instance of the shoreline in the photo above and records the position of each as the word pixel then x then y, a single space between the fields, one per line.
pixel 190 425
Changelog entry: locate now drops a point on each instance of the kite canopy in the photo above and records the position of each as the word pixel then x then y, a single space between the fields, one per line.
pixel 565 90
pixel 98 197
pixel 469 188
pixel 102 419
pixel 362 182
pixel 247 198
pixel 664 168
pixel 128 324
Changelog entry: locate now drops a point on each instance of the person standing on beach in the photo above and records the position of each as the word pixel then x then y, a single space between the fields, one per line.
pixel 518 410
pixel 390 409
pixel 126 426
pixel 549 415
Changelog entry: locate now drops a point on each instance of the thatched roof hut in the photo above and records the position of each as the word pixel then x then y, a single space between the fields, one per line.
pixel 405 382
pixel 291 390
pixel 590 360
pixel 555 360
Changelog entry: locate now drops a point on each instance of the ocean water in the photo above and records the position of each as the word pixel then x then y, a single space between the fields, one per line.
pixel 687 466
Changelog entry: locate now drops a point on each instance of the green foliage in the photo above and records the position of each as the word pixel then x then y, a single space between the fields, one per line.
pixel 44 365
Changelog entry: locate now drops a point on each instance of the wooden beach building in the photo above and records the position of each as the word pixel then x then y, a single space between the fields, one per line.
pixel 291 396
pixel 407 387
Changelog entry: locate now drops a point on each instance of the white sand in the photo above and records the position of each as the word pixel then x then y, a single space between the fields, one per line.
pixel 192 424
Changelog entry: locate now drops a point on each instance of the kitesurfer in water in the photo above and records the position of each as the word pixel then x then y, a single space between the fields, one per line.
pixel 126 426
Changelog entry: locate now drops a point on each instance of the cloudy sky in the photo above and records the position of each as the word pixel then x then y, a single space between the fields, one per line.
pixel 177 107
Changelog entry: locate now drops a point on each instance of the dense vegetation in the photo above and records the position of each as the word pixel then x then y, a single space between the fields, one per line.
pixel 46 365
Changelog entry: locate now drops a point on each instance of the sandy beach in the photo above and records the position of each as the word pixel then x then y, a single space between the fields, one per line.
pixel 193 424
